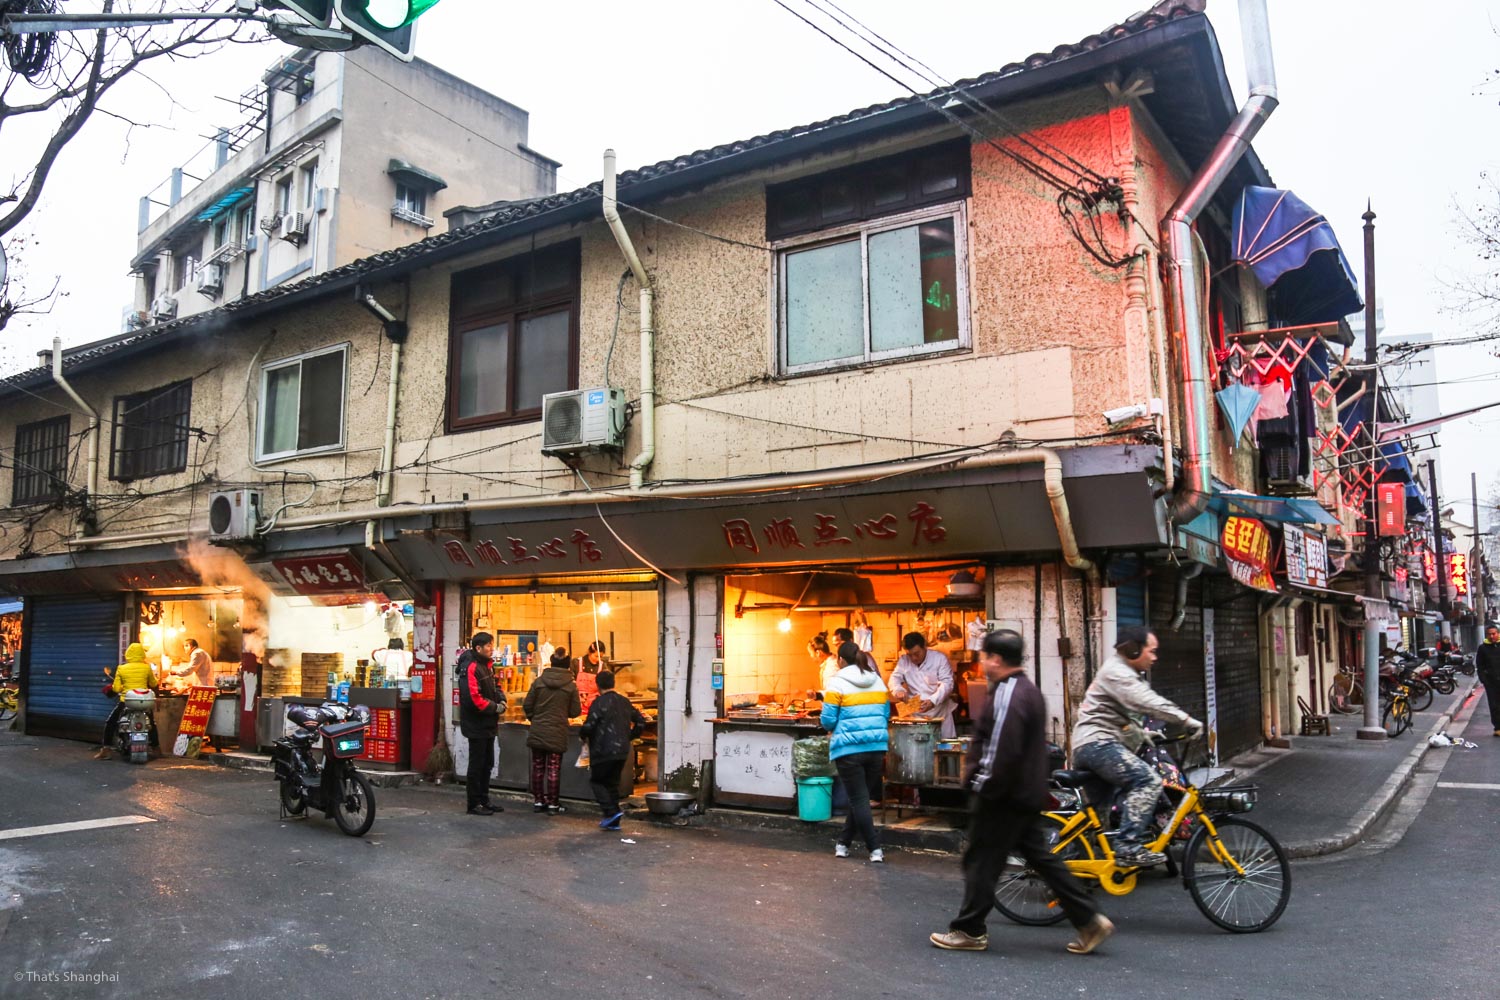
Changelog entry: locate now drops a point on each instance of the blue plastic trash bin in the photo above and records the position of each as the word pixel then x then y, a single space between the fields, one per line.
pixel 814 799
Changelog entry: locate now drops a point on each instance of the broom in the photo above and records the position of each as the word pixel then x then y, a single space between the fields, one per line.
pixel 440 757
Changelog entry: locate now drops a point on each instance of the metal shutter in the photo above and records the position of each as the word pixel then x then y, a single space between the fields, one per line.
pixel 69 642
pixel 1127 574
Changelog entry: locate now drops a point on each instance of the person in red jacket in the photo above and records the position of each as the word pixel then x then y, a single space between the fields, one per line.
pixel 480 702
pixel 1006 771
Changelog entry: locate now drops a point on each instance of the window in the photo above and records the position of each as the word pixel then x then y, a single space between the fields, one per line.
pixel 302 404
pixel 246 225
pixel 221 231
pixel 411 199
pixel 284 195
pixel 182 270
pixel 309 172
pixel 151 432
pixel 41 461
pixel 303 88
pixel 514 337
pixel 929 176
pixel 875 291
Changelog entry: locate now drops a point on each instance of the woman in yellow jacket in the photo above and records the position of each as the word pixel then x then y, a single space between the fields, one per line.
pixel 131 675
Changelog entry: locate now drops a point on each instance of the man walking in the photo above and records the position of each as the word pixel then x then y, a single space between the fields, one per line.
pixel 1487 660
pixel 480 702
pixel 1006 772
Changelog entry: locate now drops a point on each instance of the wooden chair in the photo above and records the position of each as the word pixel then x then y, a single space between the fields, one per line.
pixel 1313 724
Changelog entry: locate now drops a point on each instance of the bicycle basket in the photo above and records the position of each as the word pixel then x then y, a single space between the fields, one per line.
pixel 1229 798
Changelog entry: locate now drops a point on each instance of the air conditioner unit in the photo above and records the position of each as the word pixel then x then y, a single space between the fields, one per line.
pixel 582 419
pixel 293 227
pixel 233 515
pixel 210 279
pixel 163 307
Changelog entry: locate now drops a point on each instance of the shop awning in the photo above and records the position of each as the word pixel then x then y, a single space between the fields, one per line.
pixel 1294 510
pixel 225 203
pixel 415 176
pixel 1397 465
pixel 1415 503
pixel 1293 251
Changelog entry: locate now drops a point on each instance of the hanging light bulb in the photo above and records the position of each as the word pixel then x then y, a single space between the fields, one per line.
pixel 785 624
pixel 603 609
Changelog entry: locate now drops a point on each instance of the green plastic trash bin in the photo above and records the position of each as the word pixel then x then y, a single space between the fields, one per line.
pixel 814 799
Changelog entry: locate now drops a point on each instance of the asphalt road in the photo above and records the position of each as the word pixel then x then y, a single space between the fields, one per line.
pixel 218 898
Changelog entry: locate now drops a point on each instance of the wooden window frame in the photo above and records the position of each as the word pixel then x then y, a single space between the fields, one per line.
pixel 23 455
pixel 461 321
pixel 122 428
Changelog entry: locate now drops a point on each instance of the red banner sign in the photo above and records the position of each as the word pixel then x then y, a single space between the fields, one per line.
pixel 1390 509
pixel 1247 551
pixel 1429 567
pixel 200 705
pixel 1458 573
pixel 339 573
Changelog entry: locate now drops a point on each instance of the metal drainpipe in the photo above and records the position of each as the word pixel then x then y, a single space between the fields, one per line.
pixel 647 453
pixel 1052 480
pixel 1196 486
pixel 93 415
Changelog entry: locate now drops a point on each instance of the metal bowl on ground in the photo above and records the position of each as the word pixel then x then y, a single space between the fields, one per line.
pixel 667 803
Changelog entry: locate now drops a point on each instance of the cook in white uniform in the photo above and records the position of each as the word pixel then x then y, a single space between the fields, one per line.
pixel 926 674
pixel 199 667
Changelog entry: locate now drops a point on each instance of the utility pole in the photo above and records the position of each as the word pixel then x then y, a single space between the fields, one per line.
pixel 1476 566
pixel 1445 630
pixel 1372 729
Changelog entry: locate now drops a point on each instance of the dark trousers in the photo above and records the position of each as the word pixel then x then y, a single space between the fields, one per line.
pixel 604 779
pixel 1491 684
pixel 861 773
pixel 995 829
pixel 546 776
pixel 481 763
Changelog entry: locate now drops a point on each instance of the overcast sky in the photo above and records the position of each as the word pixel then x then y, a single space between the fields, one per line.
pixel 1381 100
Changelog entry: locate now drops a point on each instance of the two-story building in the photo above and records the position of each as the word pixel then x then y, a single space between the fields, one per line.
pixel 930 366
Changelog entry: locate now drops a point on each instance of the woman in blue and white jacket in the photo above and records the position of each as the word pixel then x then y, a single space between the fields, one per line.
pixel 857 710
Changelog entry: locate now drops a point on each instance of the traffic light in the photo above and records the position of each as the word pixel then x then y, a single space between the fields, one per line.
pixel 318 13
pixel 386 23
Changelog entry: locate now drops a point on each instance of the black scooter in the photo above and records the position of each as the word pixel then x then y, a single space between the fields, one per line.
pixel 333 785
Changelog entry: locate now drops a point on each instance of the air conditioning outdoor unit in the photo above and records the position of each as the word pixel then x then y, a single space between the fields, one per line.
pixel 293 227
pixel 210 279
pixel 582 419
pixel 163 307
pixel 233 515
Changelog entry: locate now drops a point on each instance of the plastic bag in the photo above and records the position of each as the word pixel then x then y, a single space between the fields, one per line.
pixel 583 756
pixel 810 758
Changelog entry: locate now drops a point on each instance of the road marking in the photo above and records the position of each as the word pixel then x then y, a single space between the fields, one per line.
pixel 1481 786
pixel 87 824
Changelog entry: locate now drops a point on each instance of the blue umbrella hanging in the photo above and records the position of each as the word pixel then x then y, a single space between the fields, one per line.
pixel 1238 403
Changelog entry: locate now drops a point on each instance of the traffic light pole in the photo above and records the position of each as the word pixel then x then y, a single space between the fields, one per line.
pixel 36 24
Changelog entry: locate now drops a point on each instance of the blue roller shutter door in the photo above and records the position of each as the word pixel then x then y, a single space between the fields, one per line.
pixel 70 642
pixel 1127 574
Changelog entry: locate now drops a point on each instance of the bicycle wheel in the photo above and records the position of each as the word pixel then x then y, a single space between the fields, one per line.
pixel 1396 718
pixel 1021 894
pixel 1244 901
pixel 1442 683
pixel 1419 693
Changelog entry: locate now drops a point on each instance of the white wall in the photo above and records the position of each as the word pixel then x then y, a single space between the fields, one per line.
pixel 687 741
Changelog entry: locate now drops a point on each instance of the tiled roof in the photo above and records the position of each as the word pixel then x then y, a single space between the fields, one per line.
pixel 656 176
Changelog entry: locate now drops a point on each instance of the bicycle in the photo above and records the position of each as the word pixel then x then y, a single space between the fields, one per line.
pixel 10 702
pixel 1396 712
pixel 1346 695
pixel 1236 872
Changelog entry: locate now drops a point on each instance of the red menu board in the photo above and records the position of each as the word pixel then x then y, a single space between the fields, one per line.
pixel 200 705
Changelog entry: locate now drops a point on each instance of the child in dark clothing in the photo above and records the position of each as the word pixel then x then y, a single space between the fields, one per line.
pixel 612 724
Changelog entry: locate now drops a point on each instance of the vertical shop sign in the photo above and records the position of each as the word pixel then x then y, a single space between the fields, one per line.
pixel 1247 551
pixel 1458 573
pixel 1210 687
pixel 1295 543
pixel 1390 509
pixel 1315 555
pixel 200 705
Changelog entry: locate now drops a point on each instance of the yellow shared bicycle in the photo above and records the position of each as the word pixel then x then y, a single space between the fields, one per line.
pixel 1236 872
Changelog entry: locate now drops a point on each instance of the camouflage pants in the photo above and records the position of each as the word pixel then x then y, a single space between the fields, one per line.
pixel 1139 780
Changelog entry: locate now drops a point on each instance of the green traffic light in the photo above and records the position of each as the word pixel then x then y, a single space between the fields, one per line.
pixel 393 14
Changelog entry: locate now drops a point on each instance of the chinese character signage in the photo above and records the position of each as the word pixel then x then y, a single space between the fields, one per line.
pixel 1306 556
pixel 1390 509
pixel 1429 567
pixel 1247 550
pixel 338 573
pixel 200 705
pixel 1458 573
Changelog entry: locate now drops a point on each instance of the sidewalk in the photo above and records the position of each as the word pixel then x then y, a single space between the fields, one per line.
pixel 1322 795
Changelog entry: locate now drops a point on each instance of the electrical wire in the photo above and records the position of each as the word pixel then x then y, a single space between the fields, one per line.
pixel 623 543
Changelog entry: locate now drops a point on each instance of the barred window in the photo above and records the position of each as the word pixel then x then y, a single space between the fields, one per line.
pixel 41 461
pixel 151 432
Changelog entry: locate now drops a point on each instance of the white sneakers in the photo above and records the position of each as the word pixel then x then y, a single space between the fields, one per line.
pixel 877 856
pixel 840 850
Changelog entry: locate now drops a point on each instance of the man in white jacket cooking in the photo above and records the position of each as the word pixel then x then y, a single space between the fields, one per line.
pixel 927 675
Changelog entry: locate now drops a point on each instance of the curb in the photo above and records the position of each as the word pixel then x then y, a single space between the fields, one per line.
pixel 945 841
pixel 1384 798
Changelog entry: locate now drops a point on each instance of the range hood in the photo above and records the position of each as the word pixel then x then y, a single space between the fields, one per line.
pixel 809 590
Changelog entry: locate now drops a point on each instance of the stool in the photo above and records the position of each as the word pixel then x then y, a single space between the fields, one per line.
pixel 1313 724
pixel 948 768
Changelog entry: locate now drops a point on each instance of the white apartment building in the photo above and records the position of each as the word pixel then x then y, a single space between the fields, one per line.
pixel 339 155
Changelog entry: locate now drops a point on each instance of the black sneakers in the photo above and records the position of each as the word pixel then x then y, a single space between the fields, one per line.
pixel 483 809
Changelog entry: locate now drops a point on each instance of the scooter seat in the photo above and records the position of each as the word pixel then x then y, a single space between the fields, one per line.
pixel 1072 779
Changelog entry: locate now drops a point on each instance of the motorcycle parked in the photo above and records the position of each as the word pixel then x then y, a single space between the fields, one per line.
pixel 332 785
pixel 133 733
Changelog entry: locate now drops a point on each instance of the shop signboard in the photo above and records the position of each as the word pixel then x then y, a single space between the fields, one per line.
pixel 1306 556
pixel 1429 567
pixel 1316 549
pixel 1247 551
pixel 1390 509
pixel 195 715
pixel 1458 573
pixel 319 575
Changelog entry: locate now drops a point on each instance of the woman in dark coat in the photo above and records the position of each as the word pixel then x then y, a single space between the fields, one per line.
pixel 551 702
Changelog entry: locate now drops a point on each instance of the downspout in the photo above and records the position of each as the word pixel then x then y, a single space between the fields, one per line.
pixel 93 464
pixel 1050 461
pixel 395 331
pixel 1179 608
pixel 1183 277
pixel 648 334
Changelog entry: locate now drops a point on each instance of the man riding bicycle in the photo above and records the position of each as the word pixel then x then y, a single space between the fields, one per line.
pixel 1106 722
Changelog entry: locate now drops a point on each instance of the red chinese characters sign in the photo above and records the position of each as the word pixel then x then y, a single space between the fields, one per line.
pixel 1247 550
pixel 1429 567
pixel 339 573
pixel 1458 573
pixel 200 705
pixel 1390 509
